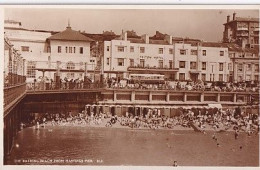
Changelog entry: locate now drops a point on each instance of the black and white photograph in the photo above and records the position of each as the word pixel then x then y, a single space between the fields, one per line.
pixel 131 86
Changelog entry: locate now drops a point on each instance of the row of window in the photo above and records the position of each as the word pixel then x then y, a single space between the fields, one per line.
pixel 161 51
pixel 195 52
pixel 203 77
pixel 193 65
pixel 70 49
pixel 248 78
pixel 248 67
pixel 141 49
pixel 120 62
pixel 67 49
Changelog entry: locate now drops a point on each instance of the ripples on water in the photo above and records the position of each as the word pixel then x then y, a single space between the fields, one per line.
pixel 106 146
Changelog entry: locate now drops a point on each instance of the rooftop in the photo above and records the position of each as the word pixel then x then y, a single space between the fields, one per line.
pixel 243 19
pixel 70 35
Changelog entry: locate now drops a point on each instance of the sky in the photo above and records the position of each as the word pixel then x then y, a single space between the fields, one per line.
pixel 204 24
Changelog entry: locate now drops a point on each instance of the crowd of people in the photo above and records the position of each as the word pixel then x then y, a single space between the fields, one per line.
pixel 217 119
pixel 184 85
pixel 49 84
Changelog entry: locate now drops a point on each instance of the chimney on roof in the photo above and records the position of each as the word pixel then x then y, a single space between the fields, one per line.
pixel 124 35
pixel 145 37
pixel 168 38
pixel 228 18
pixel 234 16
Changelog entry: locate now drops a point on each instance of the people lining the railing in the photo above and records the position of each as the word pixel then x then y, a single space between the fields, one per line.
pixel 116 83
pixel 184 85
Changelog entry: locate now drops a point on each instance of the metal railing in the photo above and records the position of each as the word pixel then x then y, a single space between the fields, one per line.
pixel 12 93
pixel 64 86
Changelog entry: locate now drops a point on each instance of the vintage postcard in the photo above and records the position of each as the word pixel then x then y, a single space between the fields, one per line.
pixel 151 86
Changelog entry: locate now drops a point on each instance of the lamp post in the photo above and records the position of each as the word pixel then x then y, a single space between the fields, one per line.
pixel 100 64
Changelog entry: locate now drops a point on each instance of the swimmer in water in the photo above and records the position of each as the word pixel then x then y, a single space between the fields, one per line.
pixel 236 134
pixel 37 125
pixel 175 164
pixel 214 137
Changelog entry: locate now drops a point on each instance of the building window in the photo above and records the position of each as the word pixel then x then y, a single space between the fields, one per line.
pixel 70 50
pixel 204 65
pixel 142 50
pixel 120 62
pixel 204 52
pixel 256 77
pixel 107 48
pixel 120 49
pixel 220 77
pixel 160 50
pixel 48 49
pixel 142 62
pixel 248 68
pixel 160 63
pixel 170 51
pixel 194 52
pixel 59 49
pixel 221 53
pixel 25 48
pixel 74 49
pixel 107 61
pixel 132 49
pixel 248 77
pixel 31 72
pixel 182 64
pixel 181 76
pixel 203 77
pixel 193 65
pixel 220 66
pixel 240 67
pixel 170 64
pixel 182 52
pixel 131 62
pixel 240 78
pixel 229 66
pixel 70 66
pixel 257 67
pixel 66 49
pixel 81 50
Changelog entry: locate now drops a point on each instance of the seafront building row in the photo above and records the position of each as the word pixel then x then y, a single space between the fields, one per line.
pixel 71 54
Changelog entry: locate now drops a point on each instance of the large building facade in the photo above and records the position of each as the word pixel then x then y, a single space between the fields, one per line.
pixel 243 31
pixel 242 34
pixel 49 54
pixel 130 55
pixel 176 61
